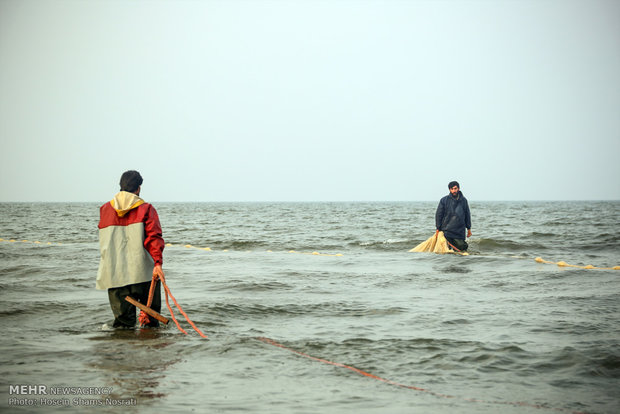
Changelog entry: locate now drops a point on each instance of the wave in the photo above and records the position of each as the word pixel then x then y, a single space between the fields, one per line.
pixel 327 309
pixel 386 244
pixel 436 355
pixel 595 362
pixel 603 364
pixel 44 312
pixel 252 286
pixel 503 245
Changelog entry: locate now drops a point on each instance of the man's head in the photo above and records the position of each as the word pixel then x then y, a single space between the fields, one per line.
pixel 131 181
pixel 454 187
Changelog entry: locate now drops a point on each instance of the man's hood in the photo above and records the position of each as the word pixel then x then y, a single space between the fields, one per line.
pixel 124 202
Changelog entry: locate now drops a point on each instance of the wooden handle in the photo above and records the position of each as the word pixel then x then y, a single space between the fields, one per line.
pixel 149 311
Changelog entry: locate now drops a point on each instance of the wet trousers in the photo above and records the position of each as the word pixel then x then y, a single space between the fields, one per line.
pixel 124 312
pixel 458 243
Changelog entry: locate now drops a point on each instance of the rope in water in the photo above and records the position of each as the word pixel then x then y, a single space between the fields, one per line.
pixel 564 264
pixel 410 387
pixel 144 319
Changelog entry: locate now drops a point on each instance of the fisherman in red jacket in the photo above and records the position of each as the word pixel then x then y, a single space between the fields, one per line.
pixel 132 246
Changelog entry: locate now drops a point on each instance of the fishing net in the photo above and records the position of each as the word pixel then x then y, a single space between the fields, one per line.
pixel 437 243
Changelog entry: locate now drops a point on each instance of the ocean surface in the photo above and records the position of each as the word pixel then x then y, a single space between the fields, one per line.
pixel 320 308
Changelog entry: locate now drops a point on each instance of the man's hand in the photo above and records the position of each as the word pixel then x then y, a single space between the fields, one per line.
pixel 468 232
pixel 158 271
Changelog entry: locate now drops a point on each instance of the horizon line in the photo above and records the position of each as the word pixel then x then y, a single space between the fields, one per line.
pixel 314 201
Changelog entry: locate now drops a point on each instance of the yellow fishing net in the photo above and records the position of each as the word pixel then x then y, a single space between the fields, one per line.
pixel 437 243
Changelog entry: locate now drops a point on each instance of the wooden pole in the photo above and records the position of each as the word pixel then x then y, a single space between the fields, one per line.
pixel 149 311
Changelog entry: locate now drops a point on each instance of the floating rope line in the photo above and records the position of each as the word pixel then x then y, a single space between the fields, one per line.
pixel 26 241
pixel 410 387
pixel 208 249
pixel 315 253
pixel 564 264
pixel 188 246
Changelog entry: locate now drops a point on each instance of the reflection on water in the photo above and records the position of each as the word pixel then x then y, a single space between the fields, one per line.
pixel 455 268
pixel 133 361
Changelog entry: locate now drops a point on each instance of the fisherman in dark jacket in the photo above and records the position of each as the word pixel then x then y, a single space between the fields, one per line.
pixel 453 217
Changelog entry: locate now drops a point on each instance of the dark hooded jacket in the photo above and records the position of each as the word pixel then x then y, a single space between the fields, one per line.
pixel 453 217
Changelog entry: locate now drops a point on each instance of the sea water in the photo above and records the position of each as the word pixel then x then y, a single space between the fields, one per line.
pixel 363 326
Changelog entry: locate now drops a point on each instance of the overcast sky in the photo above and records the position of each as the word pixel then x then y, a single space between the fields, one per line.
pixel 310 100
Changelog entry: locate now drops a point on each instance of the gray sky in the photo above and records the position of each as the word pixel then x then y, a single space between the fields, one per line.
pixel 310 100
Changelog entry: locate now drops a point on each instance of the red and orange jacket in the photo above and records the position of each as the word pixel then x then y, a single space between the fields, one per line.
pixel 130 241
